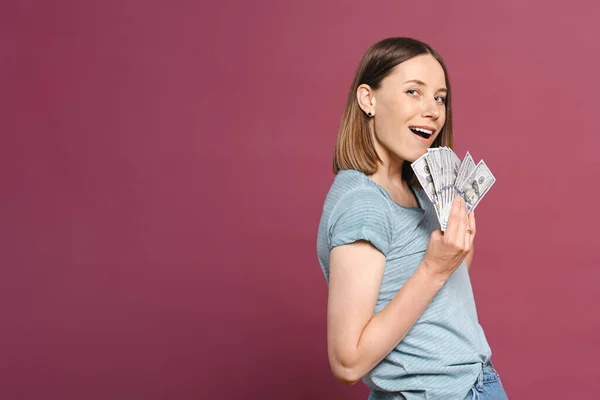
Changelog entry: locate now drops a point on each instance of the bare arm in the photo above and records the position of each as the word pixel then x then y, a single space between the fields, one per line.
pixel 357 340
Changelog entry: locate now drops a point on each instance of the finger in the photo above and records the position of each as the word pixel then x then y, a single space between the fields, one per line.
pixel 462 225
pixel 453 219
pixel 472 221
pixel 436 235
pixel 471 235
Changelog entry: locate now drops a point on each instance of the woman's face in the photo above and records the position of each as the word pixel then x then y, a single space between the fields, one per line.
pixel 410 107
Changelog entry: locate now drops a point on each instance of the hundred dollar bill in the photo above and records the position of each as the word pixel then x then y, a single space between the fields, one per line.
pixel 453 166
pixel 467 166
pixel 444 179
pixel 437 172
pixel 443 176
pixel 476 185
pixel 423 174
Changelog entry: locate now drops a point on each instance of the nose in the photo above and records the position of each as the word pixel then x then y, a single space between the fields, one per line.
pixel 431 109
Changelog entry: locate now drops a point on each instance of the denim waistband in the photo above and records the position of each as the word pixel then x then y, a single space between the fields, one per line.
pixel 486 375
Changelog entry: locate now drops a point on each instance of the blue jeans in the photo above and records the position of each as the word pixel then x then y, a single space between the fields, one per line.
pixel 488 386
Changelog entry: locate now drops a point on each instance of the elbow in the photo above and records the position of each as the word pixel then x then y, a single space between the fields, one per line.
pixel 346 376
pixel 345 372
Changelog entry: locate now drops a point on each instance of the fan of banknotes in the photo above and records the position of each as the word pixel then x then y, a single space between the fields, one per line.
pixel 443 176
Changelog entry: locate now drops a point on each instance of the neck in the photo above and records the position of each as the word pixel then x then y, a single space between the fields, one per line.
pixel 389 175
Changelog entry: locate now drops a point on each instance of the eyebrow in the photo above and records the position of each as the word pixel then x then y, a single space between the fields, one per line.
pixel 418 82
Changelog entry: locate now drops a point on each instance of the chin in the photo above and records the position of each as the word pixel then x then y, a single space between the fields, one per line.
pixel 415 155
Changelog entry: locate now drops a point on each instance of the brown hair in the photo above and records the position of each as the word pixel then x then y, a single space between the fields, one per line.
pixel 354 148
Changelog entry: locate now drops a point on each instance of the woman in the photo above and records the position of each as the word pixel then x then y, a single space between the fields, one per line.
pixel 401 313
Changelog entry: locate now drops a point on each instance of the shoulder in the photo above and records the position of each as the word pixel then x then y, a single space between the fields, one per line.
pixel 354 191
pixel 362 213
pixel 364 200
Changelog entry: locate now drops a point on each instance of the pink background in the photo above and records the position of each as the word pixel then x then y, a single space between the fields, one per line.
pixel 164 166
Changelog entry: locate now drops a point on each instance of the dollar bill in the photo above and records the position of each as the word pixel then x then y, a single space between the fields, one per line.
pixel 453 166
pixel 443 176
pixel 441 155
pixel 435 165
pixel 476 185
pixel 423 174
pixel 467 166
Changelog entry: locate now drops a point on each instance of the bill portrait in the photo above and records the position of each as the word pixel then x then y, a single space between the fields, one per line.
pixel 472 192
pixel 429 179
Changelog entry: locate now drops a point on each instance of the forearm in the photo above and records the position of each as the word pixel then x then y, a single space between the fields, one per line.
pixel 386 329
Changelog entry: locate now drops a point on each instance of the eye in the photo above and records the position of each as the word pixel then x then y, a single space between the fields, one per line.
pixel 440 99
pixel 412 92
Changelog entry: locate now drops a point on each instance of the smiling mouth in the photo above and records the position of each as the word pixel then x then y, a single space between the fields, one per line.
pixel 424 133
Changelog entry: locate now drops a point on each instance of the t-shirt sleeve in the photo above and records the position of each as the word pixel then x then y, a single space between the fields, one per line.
pixel 362 214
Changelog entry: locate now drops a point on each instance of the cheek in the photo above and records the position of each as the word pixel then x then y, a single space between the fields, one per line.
pixel 442 118
pixel 407 109
pixel 388 119
pixel 441 122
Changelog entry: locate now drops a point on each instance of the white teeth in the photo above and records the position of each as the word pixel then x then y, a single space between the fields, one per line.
pixel 427 131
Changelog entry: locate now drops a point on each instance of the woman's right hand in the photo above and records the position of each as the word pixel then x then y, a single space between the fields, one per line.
pixel 446 251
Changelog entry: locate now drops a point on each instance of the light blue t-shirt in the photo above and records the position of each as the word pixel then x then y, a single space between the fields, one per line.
pixel 442 355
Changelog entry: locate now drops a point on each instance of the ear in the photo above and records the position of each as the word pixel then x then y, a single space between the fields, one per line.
pixel 366 99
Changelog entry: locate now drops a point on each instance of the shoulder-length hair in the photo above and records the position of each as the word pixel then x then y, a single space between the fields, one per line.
pixel 354 148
